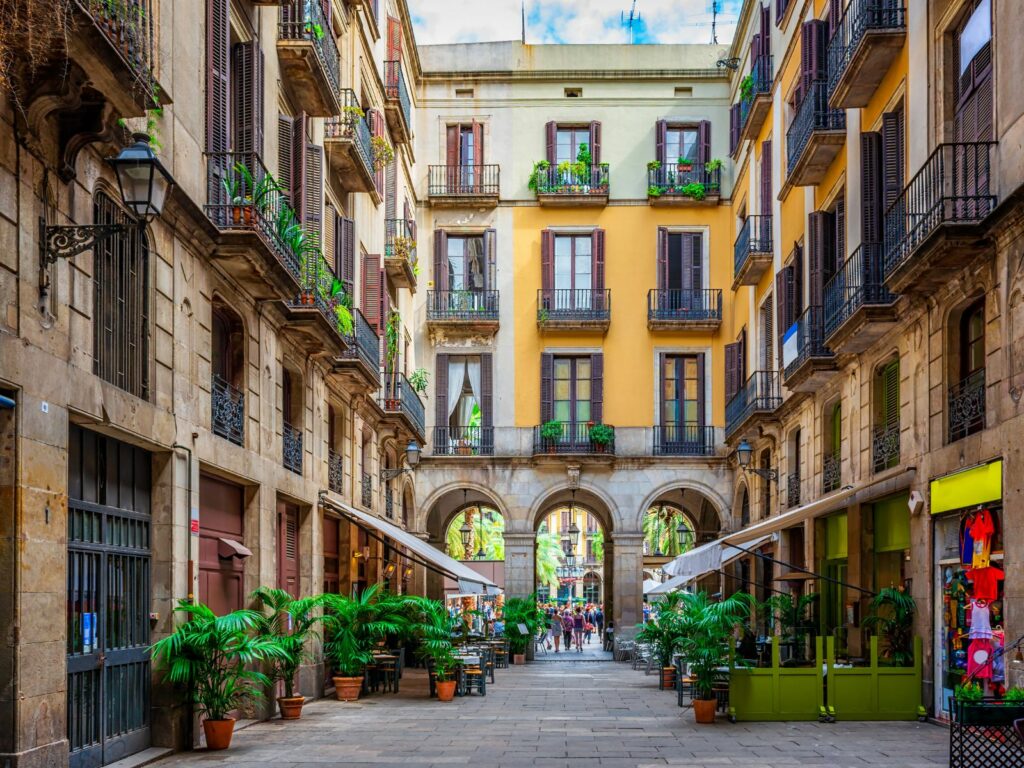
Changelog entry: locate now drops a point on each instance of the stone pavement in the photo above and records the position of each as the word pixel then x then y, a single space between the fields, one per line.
pixel 560 715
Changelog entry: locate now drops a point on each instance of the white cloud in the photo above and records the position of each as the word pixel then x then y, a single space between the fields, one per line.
pixel 569 21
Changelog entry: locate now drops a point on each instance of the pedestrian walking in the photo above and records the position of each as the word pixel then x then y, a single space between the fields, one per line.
pixel 556 629
pixel 599 620
pixel 567 629
pixel 577 629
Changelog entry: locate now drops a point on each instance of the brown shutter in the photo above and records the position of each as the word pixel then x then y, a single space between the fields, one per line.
pixel 288 548
pixel 440 260
pixel 663 258
pixel 782 277
pixel 441 391
pixel 891 394
pixel 595 142
pixel 871 187
pixel 798 283
pixel 755 50
pixel 892 155
pixel 597 248
pixel 486 390
pixel 835 15
pixel 597 387
pixel 394 41
pixel 452 145
pixel 313 193
pixel 686 262
pixel 766 30
pixel 551 136
pixel 741 366
pixel 371 293
pixel 478 150
pixel 547 387
pixel 732 354
pixel 703 144
pixel 547 259
pixel 766 180
pixel 490 259
pixel 734 128
pixel 284 152
pixel 299 167
pixel 391 190
pixel 217 54
pixel 820 226
pixel 345 242
pixel 696 266
pixel 247 96
pixel 838 254
pixel 660 138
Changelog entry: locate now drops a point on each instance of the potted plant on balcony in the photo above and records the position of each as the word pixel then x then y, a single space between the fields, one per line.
pixel 694 190
pixel 601 436
pixel 684 165
pixel 712 167
pixel 747 87
pixel 551 432
pixel 392 340
pixel 213 657
pixel 403 247
pixel 538 176
pixel 290 624
pixel 382 152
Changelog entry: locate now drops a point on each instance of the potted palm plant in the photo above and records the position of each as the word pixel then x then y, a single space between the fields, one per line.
pixel 893 614
pixel 706 630
pixel 663 635
pixel 521 612
pixel 794 616
pixel 213 657
pixel 434 627
pixel 291 623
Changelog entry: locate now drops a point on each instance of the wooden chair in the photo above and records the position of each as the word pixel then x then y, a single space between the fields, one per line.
pixel 501 655
pixel 475 678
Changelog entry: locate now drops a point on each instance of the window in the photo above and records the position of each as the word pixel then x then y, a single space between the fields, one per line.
pixel 830 456
pixel 681 145
pixel 682 397
pixel 572 268
pixel 563 142
pixel 974 119
pixel 568 143
pixel 793 479
pixel 744 508
pixel 121 313
pixel 766 485
pixel 972 339
pixel 466 263
pixel 966 404
pixel 681 260
pixel 885 447
pixel 573 264
pixel 572 389
pixel 573 93
pixel 465 144
pixel 463 401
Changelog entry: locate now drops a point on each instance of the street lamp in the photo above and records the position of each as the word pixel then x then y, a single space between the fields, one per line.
pixel 744 452
pixel 412 459
pixel 467 532
pixel 683 532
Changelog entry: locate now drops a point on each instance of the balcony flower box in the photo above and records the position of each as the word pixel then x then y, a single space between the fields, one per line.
pixel 987 713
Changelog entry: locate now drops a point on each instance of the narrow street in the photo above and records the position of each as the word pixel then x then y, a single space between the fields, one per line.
pixel 560 713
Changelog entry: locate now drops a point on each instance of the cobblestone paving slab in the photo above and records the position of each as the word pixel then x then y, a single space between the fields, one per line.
pixel 571 714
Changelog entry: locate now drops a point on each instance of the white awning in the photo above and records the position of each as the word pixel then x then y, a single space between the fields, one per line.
pixel 706 558
pixel 470 582
pixel 650 584
pixel 832 502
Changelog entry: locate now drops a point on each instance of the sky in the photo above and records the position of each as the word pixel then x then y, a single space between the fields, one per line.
pixel 571 21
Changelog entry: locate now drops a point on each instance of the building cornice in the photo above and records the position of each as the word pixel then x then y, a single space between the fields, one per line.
pixel 573 75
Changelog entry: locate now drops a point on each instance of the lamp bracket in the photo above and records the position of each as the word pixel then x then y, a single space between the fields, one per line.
pixel 770 475
pixel 386 475
pixel 64 241
pixel 730 63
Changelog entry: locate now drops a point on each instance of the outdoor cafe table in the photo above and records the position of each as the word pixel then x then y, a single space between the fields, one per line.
pixel 379 657
pixel 462 661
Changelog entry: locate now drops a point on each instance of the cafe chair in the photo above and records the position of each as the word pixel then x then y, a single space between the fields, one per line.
pixel 475 679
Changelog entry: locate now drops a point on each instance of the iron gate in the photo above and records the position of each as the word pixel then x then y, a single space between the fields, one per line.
pixel 108 589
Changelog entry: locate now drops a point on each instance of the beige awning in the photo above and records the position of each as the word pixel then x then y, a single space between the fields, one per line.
pixel 470 582
pixel 705 559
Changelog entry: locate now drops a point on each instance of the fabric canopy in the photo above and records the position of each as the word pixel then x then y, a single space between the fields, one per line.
pixel 650 584
pixel 706 558
pixel 470 582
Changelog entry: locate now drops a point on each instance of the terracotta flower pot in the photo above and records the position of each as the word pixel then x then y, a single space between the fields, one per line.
pixel 445 690
pixel 218 733
pixel 291 706
pixel 668 678
pixel 704 710
pixel 518 658
pixel 347 688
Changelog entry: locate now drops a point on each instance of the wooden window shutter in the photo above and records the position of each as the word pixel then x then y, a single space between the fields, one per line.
pixel 701 387
pixel 490 259
pixel 218 43
pixel 755 50
pixel 732 356
pixel 734 128
pixel 703 144
pixel 452 145
pixel 284 152
pixel 313 193
pixel 798 281
pixel 299 167
pixel 371 292
pixel 597 387
pixel 247 96
pixel 891 394
pixel 766 178
pixel 330 230
pixel 551 137
pixel 441 391
pixel 782 277
pixel 892 156
pixel 547 259
pixel 440 260
pixel 391 190
pixel 486 390
pixel 741 367
pixel 345 243
pixel 597 248
pixel 695 266
pixel 838 252
pixel 820 226
pixel 871 187
pixel 595 142
pixel 394 39
pixel 547 387
pixel 766 30
pixel 660 138
pixel 835 16
pixel 686 262
pixel 663 258
pixel 478 147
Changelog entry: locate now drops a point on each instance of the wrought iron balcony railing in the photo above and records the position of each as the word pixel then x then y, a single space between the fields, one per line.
pixel 463 441
pixel 463 180
pixel 568 304
pixel 400 239
pixel 399 397
pixel 389 503
pixel 761 392
pixel 351 124
pixel 395 89
pixel 672 181
pixel 810 339
pixel 241 194
pixel 335 471
pixel 318 285
pixel 956 185
pixel 813 114
pixel 305 20
pixel 366 490
pixel 469 306
pixel 885 447
pixel 684 304
pixel 831 472
pixel 567 181
pixel 755 236
pixel 130 27
pixel 793 490
pixel 227 415
pixel 860 18
pixel 684 440
pixel 574 437
pixel 760 85
pixel 967 406
pixel 363 344
pixel 858 283
pixel 292 442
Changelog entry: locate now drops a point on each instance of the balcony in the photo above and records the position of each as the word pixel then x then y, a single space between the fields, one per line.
pixel 885 447
pixel 574 439
pixel 471 312
pixel 933 228
pixel 291 438
pixel 809 363
pixel 757 399
pixel 335 472
pixel 348 149
pixel 463 441
pixel 672 309
pixel 755 98
pixel 366 490
pixel 308 54
pixel 400 252
pixel 574 309
pixel 752 251
pixel 463 186
pixel 793 490
pixel 246 204
pixel 359 362
pixel 966 403
pixel 567 187
pixel 814 139
pixel 859 309
pixel 227 411
pixel 831 472
pixel 400 399
pixel 397 104
pixel 682 186
pixel 313 314
pixel 868 40
pixel 684 440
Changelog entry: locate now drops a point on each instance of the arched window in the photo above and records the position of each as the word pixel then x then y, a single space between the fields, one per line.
pixel 885 442
pixel 967 396
pixel 830 456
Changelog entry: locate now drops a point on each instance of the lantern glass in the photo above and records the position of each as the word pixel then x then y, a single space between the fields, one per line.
pixel 412 453
pixel 143 180
pixel 466 532
pixel 743 453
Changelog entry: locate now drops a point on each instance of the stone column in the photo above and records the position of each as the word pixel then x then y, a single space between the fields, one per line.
pixel 520 564
pixel 627 581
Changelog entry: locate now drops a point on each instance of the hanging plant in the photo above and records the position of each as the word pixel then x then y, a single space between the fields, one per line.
pixel 540 170
pixel 382 152
pixel 419 379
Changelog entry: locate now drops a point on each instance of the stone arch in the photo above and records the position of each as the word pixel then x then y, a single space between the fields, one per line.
pixel 589 496
pixel 718 503
pixel 437 517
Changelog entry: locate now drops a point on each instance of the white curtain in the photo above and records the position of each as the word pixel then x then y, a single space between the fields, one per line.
pixel 456 378
pixel 473 370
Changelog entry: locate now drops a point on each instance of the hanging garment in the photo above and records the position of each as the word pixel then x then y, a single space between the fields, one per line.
pixel 981 625
pixel 998 659
pixel 979 660
pixel 986 582
pixel 981 530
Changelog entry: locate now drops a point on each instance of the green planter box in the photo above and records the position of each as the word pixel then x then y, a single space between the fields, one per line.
pixel 989 713
pixel 777 693
pixel 874 692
